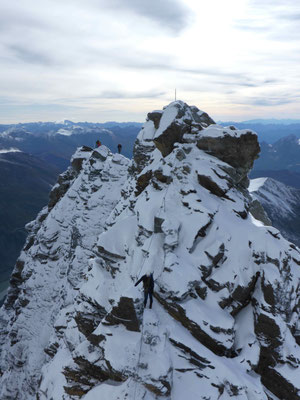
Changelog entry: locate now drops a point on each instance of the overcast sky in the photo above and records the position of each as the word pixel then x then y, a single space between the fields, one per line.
pixel 101 60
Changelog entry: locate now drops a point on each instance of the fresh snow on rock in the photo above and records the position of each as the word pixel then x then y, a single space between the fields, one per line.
pixel 54 261
pixel 281 196
pixel 10 150
pixel 282 204
pixel 219 131
pixel 225 318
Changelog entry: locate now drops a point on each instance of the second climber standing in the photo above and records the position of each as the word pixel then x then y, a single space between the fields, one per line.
pixel 148 284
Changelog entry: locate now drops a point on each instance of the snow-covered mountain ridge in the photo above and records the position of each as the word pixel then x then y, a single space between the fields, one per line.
pixel 225 320
pixel 281 203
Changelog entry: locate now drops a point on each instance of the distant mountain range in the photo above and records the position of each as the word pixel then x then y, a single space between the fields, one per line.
pixel 289 178
pixel 280 148
pixel 269 130
pixel 283 154
pixel 263 121
pixel 280 161
pixel 282 205
pixel 56 142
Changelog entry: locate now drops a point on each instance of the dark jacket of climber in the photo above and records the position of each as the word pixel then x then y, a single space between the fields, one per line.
pixel 148 284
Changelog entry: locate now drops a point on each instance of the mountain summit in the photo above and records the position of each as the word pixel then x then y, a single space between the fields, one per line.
pixel 225 316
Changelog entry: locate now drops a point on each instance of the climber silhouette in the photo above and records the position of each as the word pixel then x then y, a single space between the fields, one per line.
pixel 148 284
pixel 119 148
pixel 98 143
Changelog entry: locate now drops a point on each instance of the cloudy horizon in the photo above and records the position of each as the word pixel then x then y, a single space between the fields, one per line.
pixel 105 60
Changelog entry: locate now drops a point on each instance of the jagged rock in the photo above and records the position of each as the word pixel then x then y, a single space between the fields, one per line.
pixel 193 358
pixel 210 185
pixel 60 189
pixel 155 116
pixel 166 136
pixel 279 386
pixel 158 174
pixel 142 182
pixel 225 317
pixel 87 322
pixel 79 157
pixel 124 313
pixel 15 283
pixel 160 133
pixel 177 312
pixel 165 142
pixel 52 349
pixel 259 213
pixel 158 225
pixel 239 152
pixel 240 297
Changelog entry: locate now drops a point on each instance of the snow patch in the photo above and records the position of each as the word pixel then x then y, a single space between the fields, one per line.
pixel 167 118
pixel 215 131
pixel 255 184
pixel 10 150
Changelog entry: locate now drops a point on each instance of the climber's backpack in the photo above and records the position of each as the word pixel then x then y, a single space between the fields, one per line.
pixel 148 283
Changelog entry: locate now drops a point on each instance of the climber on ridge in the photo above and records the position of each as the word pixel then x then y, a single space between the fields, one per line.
pixel 119 148
pixel 98 143
pixel 148 284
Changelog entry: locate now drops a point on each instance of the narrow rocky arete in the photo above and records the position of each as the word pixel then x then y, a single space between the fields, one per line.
pixel 225 318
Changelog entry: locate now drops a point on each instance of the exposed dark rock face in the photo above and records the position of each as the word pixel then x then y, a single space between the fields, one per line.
pixel 279 385
pixel 194 120
pixel 142 152
pixel 174 133
pixel 193 358
pixel 210 185
pixel 87 376
pixel 124 313
pixel 239 152
pixel 142 182
pixel 259 213
pixel 185 120
pixel 59 190
pixel 76 162
pixel 177 312
pixel 155 116
pixel 240 297
pixel 88 320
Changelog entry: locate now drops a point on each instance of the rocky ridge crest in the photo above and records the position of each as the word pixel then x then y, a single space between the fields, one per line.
pixel 225 323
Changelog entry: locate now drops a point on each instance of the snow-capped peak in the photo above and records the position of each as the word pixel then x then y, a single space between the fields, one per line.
pixel 10 150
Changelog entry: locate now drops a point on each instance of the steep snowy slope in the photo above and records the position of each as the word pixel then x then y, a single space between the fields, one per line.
pixel 225 319
pixel 282 204
pixel 53 262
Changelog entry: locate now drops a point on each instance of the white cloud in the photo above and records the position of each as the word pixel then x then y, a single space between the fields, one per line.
pixel 110 59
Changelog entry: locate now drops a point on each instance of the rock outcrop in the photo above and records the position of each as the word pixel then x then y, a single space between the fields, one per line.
pixel 166 127
pixel 225 319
